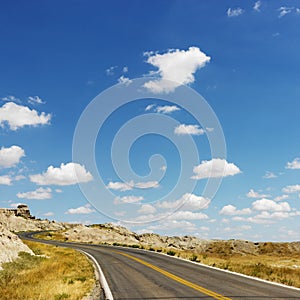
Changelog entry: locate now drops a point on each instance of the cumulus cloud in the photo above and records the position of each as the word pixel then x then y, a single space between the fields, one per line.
pixel 38 194
pixel 270 205
pixel 16 116
pixel 186 202
pixel 269 175
pixel 257 6
pixel 127 186
pixel 147 209
pixel 35 100
pixel 11 99
pixel 149 107
pixel 128 199
pixel 183 129
pixel 215 168
pixel 187 215
pixel 82 210
pixel 11 156
pixel 48 214
pixel 266 217
pixel 169 225
pixel 124 80
pixel 284 10
pixel 125 69
pixel 253 194
pixel 175 67
pixel 67 174
pixel 291 189
pixel 234 12
pixel 231 210
pixel 280 198
pixel 295 164
pixel 5 180
pixel 166 109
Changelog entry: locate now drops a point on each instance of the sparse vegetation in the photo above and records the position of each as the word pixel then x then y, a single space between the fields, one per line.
pixel 276 262
pixel 60 273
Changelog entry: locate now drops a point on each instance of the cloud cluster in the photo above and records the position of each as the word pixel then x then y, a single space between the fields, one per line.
pixel 82 210
pixel 295 164
pixel 253 194
pixel 67 174
pixel 174 68
pixel 234 12
pixel 17 116
pixel 183 129
pixel 128 186
pixel 5 180
pixel 38 194
pixel 9 157
pixel 215 168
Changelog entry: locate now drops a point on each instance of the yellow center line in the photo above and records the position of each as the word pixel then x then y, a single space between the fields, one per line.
pixel 177 278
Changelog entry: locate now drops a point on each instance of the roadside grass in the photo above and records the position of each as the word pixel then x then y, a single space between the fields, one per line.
pixel 280 269
pixel 59 273
pixel 277 265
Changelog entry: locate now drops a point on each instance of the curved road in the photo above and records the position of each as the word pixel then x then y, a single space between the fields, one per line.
pixel 135 274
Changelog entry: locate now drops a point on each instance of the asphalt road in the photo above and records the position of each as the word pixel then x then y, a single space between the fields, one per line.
pixel 135 274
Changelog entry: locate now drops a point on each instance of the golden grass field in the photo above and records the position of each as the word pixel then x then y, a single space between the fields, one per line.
pixel 281 269
pixel 59 273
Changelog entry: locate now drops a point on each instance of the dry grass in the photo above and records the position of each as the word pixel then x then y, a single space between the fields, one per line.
pixel 62 274
pixel 281 269
pixel 273 262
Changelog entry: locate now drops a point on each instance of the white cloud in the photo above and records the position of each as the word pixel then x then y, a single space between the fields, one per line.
pixel 11 98
pixel 188 129
pixel 48 214
pixel 125 69
pixel 295 164
pixel 234 12
pixel 128 199
pixel 284 10
pixel 111 71
pixel 298 11
pixel 270 205
pixel 120 186
pixel 291 189
pixel 11 156
pixel 166 109
pixel 257 5
pixel 187 215
pixel 163 168
pixel 124 80
pixel 253 194
pixel 269 175
pixel 280 198
pixel 186 202
pixel 178 66
pixel 169 225
pixel 147 209
pixel 38 194
pixel 35 100
pixel 127 186
pixel 86 209
pixel 5 180
pixel 215 168
pixel 266 217
pixel 67 174
pixel 58 191
pixel 230 210
pixel 149 107
pixel 17 116
pixel 147 185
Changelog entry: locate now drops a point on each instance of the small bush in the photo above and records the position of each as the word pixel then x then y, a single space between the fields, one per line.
pixel 194 257
pixel 171 252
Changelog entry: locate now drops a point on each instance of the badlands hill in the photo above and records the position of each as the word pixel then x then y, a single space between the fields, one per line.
pixel 117 235
pixel 20 219
pixel 16 220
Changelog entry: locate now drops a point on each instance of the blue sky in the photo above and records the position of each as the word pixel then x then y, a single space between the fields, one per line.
pixel 241 56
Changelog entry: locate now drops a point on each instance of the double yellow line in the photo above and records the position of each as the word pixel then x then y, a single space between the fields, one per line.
pixel 177 278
